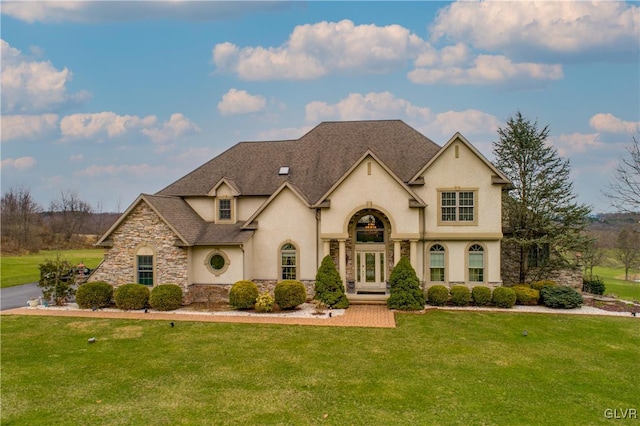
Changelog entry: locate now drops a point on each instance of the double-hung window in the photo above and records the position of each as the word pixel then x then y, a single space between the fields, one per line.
pixel 476 263
pixel 224 209
pixel 458 206
pixel 288 262
pixel 145 270
pixel 436 263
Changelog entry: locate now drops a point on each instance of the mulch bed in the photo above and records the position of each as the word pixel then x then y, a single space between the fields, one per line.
pixel 612 305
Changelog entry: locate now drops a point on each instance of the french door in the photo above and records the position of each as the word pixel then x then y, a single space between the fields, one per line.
pixel 370 269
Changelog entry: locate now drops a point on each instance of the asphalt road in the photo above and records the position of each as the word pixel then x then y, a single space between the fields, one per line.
pixel 17 296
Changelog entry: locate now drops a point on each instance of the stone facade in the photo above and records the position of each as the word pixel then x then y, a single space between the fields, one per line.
pixel 143 230
pixel 219 293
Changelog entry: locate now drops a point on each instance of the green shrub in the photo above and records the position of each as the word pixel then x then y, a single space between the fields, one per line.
pixel 243 294
pixel 289 294
pixel 166 297
pixel 264 302
pixel 539 285
pixel 131 296
pixel 329 288
pixel 481 295
pixel 561 297
pixel 503 297
pixel 97 294
pixel 593 285
pixel 57 280
pixel 404 288
pixel 526 295
pixel 460 295
pixel 437 295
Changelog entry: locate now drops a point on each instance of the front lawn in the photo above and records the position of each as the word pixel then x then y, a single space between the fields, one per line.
pixel 17 270
pixel 437 368
pixel 615 283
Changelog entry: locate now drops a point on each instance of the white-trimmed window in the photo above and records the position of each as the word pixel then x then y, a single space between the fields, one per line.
pixel 288 262
pixel 436 263
pixel 476 263
pixel 458 206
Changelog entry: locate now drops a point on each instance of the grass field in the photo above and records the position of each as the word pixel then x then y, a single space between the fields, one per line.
pixel 16 270
pixel 615 283
pixel 437 368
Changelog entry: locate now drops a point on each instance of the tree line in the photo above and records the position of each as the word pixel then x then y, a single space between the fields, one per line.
pixel 68 222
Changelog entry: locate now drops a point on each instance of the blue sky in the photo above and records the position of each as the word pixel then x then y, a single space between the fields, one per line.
pixel 113 99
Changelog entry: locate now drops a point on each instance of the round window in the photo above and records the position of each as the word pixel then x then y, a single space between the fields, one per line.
pixel 217 262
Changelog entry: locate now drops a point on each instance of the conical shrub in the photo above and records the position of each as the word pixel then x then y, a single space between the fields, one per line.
pixel 405 292
pixel 329 288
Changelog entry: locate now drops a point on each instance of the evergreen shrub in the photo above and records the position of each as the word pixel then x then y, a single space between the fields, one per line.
pixel 481 295
pixel 593 284
pixel 96 294
pixel 561 297
pixel 289 294
pixel 526 295
pixel 166 297
pixel 460 295
pixel 131 296
pixel 404 288
pixel 437 295
pixel 329 288
pixel 243 294
pixel 503 297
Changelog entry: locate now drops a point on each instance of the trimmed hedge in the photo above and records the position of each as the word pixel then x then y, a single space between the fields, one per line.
pixel 166 297
pixel 243 294
pixel 131 296
pixel 539 285
pixel 289 294
pixel 593 285
pixel 526 295
pixel 460 295
pixel 97 294
pixel 404 288
pixel 481 295
pixel 437 295
pixel 561 297
pixel 503 297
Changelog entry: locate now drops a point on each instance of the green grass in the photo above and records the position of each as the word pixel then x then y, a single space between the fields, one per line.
pixel 615 283
pixel 437 368
pixel 16 270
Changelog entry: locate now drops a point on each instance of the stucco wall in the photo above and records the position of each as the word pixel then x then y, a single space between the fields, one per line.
pixel 143 228
pixel 201 273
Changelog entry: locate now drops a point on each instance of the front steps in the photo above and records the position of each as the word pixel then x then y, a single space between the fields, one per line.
pixel 367 299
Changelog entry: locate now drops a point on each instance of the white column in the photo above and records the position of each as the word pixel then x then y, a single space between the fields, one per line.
pixel 326 248
pixel 413 253
pixel 396 252
pixel 342 255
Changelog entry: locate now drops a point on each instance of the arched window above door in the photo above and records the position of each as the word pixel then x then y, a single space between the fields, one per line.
pixel 369 229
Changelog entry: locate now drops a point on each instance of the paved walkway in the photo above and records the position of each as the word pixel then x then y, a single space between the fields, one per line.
pixel 355 316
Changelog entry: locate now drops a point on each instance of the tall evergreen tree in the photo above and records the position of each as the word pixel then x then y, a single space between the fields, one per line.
pixel 329 288
pixel 544 225
pixel 405 292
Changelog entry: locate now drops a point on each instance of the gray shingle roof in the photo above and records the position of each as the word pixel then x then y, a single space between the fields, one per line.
pixel 316 160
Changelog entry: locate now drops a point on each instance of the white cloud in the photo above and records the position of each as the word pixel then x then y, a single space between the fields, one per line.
pixel 27 126
pixel 488 70
pixel 177 127
pixel 20 164
pixel 91 125
pixel 32 86
pixel 76 157
pixel 575 143
pixel 115 11
pixel 138 170
pixel 611 124
pixel 385 105
pixel 240 102
pixel 533 29
pixel 314 50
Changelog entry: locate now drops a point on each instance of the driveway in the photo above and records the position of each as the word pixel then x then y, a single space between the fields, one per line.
pixel 17 296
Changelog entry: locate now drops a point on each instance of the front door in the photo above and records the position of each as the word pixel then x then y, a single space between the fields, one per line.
pixel 370 270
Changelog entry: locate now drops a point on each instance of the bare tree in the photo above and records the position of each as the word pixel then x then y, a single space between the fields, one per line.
pixel 20 219
pixel 624 190
pixel 627 250
pixel 593 255
pixel 69 214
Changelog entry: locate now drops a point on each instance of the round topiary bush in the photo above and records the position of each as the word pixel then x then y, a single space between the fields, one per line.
pixel 561 297
pixel 437 295
pixel 481 295
pixel 526 295
pixel 243 295
pixel 166 297
pixel 289 294
pixel 539 285
pixel 97 294
pixel 460 295
pixel 503 297
pixel 264 303
pixel 131 296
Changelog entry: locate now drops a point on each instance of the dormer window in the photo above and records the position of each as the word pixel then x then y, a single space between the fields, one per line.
pixel 225 210
pixel 284 171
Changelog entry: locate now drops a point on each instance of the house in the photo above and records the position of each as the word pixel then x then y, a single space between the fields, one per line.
pixel 364 192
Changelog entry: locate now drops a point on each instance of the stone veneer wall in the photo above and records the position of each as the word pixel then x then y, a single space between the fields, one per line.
pixel 208 293
pixel 143 226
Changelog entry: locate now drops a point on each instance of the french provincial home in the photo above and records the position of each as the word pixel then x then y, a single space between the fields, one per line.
pixel 364 192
